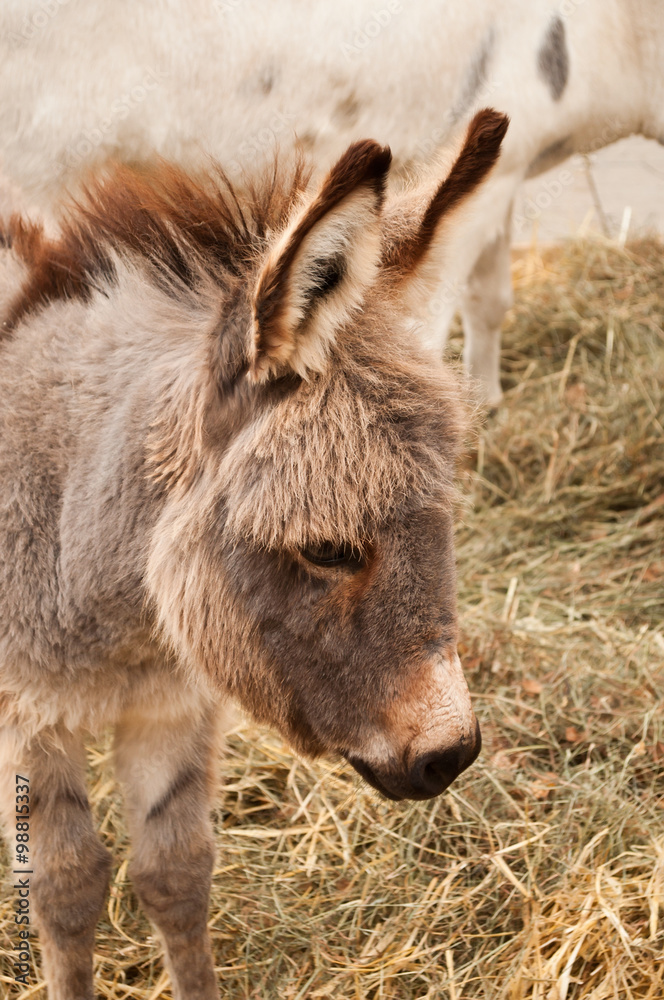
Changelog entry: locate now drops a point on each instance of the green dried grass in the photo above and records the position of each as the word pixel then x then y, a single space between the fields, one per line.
pixel 540 874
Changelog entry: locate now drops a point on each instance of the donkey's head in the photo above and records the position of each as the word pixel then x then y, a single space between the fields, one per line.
pixel 304 558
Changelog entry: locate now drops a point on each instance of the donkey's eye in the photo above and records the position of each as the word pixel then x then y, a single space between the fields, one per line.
pixel 330 554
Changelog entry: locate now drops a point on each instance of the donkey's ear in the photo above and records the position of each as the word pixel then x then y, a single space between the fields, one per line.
pixel 321 266
pixel 410 232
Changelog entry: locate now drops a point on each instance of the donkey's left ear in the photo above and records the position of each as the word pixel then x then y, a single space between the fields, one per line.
pixel 321 266
pixel 412 236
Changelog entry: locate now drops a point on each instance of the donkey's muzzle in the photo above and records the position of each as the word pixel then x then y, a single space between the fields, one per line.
pixel 429 774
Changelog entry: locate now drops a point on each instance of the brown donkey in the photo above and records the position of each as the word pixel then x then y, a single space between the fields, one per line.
pixel 225 473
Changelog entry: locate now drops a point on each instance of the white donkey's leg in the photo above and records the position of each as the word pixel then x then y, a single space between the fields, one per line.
pixel 68 868
pixel 165 762
pixel 486 299
pixel 433 329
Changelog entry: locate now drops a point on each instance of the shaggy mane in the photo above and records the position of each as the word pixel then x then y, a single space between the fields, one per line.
pixel 179 225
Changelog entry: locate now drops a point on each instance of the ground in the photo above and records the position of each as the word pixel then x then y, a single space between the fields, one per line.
pixel 540 874
pixel 617 191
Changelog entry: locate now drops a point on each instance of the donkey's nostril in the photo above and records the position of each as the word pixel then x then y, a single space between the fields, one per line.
pixel 430 774
pixel 434 771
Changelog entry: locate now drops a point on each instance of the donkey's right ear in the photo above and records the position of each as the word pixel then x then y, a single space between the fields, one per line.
pixel 321 266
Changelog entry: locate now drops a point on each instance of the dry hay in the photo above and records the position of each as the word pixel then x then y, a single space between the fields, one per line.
pixel 540 875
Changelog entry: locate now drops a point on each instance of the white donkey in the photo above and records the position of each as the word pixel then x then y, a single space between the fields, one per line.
pixel 81 80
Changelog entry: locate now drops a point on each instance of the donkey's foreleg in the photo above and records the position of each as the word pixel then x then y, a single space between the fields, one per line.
pixel 68 866
pixel 165 765
pixel 486 299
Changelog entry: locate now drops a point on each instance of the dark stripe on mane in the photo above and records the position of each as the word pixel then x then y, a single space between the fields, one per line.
pixel 180 227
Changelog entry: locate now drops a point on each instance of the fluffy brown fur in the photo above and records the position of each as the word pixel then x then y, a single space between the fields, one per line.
pixel 174 533
pixel 180 224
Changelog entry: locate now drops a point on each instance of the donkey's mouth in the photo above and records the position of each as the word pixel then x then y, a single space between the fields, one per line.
pixel 370 777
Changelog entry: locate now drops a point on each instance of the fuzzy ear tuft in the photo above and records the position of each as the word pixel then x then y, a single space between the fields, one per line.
pixel 321 266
